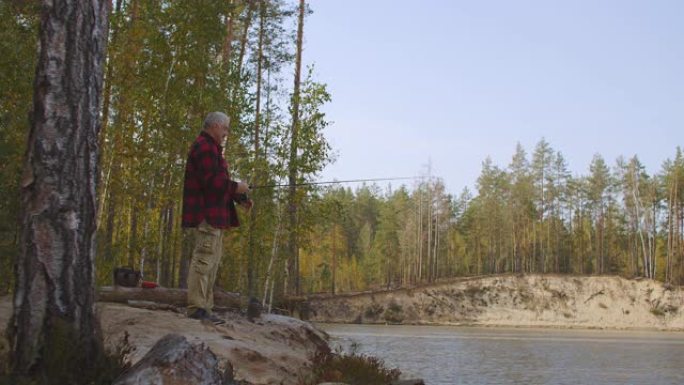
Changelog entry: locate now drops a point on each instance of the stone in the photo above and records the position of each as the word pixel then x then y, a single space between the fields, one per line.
pixel 415 381
pixel 173 360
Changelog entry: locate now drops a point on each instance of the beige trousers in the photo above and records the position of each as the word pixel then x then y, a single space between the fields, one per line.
pixel 206 257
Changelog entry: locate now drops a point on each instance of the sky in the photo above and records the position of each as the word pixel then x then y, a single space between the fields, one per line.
pixel 449 83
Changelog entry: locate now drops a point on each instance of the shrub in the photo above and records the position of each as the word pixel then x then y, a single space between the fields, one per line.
pixel 658 312
pixel 373 311
pixel 353 369
pixel 473 290
pixel 394 313
pixel 661 311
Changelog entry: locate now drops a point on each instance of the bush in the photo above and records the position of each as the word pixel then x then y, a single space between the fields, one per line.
pixel 661 311
pixel 658 312
pixel 353 369
pixel 373 311
pixel 394 313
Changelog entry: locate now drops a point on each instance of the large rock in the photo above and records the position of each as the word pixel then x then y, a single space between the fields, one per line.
pixel 274 350
pixel 174 361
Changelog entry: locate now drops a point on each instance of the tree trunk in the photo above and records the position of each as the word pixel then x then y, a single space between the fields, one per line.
pixel 270 279
pixel 228 42
pixel 670 232
pixel 54 294
pixel 133 237
pixel 106 102
pixel 680 242
pixel 429 229
pixel 293 245
pixel 168 255
pixel 334 258
pixel 419 277
pixel 108 246
pixel 237 75
pixel 252 252
pixel 186 257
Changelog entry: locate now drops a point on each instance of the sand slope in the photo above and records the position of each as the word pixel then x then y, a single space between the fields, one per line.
pixel 532 300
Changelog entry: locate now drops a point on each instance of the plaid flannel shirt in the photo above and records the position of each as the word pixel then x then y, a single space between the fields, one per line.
pixel 208 191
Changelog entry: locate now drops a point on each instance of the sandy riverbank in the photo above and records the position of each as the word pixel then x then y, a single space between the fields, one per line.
pixel 517 301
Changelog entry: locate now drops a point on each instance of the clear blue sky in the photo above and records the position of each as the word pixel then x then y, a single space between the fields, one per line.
pixel 456 81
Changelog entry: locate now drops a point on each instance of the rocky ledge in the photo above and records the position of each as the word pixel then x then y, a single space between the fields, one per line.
pixel 273 349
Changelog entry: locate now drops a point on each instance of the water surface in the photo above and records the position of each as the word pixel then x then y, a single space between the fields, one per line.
pixel 444 355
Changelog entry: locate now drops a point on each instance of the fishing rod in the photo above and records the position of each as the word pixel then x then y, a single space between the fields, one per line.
pixel 335 182
pixel 241 198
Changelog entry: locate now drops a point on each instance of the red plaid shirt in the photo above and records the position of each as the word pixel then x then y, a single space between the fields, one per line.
pixel 208 191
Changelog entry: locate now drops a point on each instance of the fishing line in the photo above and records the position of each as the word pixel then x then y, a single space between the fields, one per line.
pixel 336 182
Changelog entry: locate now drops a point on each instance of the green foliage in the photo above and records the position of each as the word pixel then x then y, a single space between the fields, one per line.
pixel 18 39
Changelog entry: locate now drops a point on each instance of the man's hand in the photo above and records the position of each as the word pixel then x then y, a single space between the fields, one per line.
pixel 242 188
pixel 247 204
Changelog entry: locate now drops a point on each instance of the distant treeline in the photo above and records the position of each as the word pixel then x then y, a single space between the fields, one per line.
pixel 171 62
pixel 531 216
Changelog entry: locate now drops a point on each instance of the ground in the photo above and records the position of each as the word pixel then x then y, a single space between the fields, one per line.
pixel 278 349
pixel 273 350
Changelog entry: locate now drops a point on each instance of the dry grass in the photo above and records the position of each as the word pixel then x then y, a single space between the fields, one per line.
pixel 353 369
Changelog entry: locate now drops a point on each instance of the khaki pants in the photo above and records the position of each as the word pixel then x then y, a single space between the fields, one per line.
pixel 206 257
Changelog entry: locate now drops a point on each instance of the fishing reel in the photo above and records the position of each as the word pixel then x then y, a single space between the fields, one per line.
pixel 241 198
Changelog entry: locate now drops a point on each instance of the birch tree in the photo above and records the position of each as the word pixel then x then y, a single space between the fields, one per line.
pixel 54 295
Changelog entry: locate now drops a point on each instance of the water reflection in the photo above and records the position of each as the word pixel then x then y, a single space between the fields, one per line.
pixel 457 355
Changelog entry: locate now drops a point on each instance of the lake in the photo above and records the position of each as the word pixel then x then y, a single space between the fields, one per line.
pixel 445 355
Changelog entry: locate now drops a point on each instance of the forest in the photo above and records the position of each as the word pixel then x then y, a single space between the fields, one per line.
pixel 170 62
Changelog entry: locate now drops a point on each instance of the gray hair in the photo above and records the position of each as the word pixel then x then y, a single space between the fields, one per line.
pixel 214 118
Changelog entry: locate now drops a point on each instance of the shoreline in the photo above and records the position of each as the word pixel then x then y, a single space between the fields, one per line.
pixel 514 326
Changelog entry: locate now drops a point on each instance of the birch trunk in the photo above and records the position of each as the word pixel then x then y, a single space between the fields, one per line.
pixel 54 291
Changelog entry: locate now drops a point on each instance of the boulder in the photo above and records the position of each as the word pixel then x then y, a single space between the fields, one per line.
pixel 415 381
pixel 173 360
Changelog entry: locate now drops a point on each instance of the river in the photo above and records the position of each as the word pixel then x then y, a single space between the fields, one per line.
pixel 446 355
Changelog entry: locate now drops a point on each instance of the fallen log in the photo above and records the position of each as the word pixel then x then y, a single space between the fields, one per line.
pixel 162 295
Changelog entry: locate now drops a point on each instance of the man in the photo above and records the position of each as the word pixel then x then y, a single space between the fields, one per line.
pixel 209 197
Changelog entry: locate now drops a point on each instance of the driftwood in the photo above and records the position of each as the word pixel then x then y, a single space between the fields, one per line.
pixel 160 295
pixel 173 360
pixel 149 305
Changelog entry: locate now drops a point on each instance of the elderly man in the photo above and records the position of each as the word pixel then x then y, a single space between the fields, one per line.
pixel 209 197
